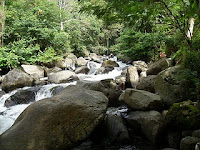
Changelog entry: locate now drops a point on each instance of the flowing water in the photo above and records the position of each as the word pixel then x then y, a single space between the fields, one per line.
pixel 9 115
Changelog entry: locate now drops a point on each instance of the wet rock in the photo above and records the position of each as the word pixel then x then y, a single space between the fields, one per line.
pixel 104 70
pixel 158 66
pixel 141 100
pixel 22 97
pixel 64 76
pixel 16 79
pixel 33 69
pixel 171 89
pixel 81 61
pixel 150 123
pixel 116 129
pixel 109 64
pixel 147 83
pixel 132 76
pixel 60 122
pixel 188 143
pixel 82 69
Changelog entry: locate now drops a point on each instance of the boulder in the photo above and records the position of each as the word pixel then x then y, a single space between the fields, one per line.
pixel 188 143
pixel 109 64
pixel 143 74
pixel 196 133
pixel 64 76
pixel 140 65
pixel 71 56
pixel 60 64
pixel 33 69
pixel 56 123
pixel 82 69
pixel 49 71
pixel 132 76
pixel 108 87
pixel 95 58
pixel 70 64
pixel 158 66
pixel 81 61
pixel 22 97
pixel 147 83
pixel 141 100
pixel 171 89
pixel 116 130
pixel 16 79
pixel 150 123
pixel 183 115
pixel 104 70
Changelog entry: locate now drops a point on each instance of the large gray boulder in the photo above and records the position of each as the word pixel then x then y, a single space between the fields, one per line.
pixel 169 87
pixel 22 97
pixel 56 123
pixel 33 69
pixel 150 123
pixel 16 79
pixel 64 76
pixel 132 76
pixel 141 100
pixel 147 83
pixel 158 66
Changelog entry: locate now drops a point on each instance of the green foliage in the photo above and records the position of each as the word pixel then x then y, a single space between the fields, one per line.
pixel 137 45
pixel 48 56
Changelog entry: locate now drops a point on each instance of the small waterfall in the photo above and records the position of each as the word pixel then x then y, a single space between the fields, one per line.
pixel 9 115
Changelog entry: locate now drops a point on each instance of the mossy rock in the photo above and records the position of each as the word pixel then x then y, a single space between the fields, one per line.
pixel 109 63
pixel 183 115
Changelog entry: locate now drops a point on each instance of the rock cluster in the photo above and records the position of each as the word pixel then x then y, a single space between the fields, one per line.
pixel 146 101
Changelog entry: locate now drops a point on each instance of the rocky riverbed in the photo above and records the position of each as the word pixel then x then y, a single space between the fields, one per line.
pixel 95 103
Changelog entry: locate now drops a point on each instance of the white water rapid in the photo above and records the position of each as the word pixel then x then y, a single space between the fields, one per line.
pixel 9 115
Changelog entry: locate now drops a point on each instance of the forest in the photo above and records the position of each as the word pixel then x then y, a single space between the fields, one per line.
pixel 42 31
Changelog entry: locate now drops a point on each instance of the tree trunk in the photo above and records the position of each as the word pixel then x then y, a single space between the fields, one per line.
pixel 191 27
pixel 2 21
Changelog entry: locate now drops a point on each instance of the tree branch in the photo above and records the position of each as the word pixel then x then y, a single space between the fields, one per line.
pixel 178 24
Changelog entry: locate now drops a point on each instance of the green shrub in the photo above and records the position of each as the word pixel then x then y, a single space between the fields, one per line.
pixel 137 45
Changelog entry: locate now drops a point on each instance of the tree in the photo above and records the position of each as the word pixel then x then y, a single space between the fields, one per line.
pixel 2 21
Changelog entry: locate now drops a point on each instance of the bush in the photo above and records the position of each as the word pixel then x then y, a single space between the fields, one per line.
pixel 137 45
